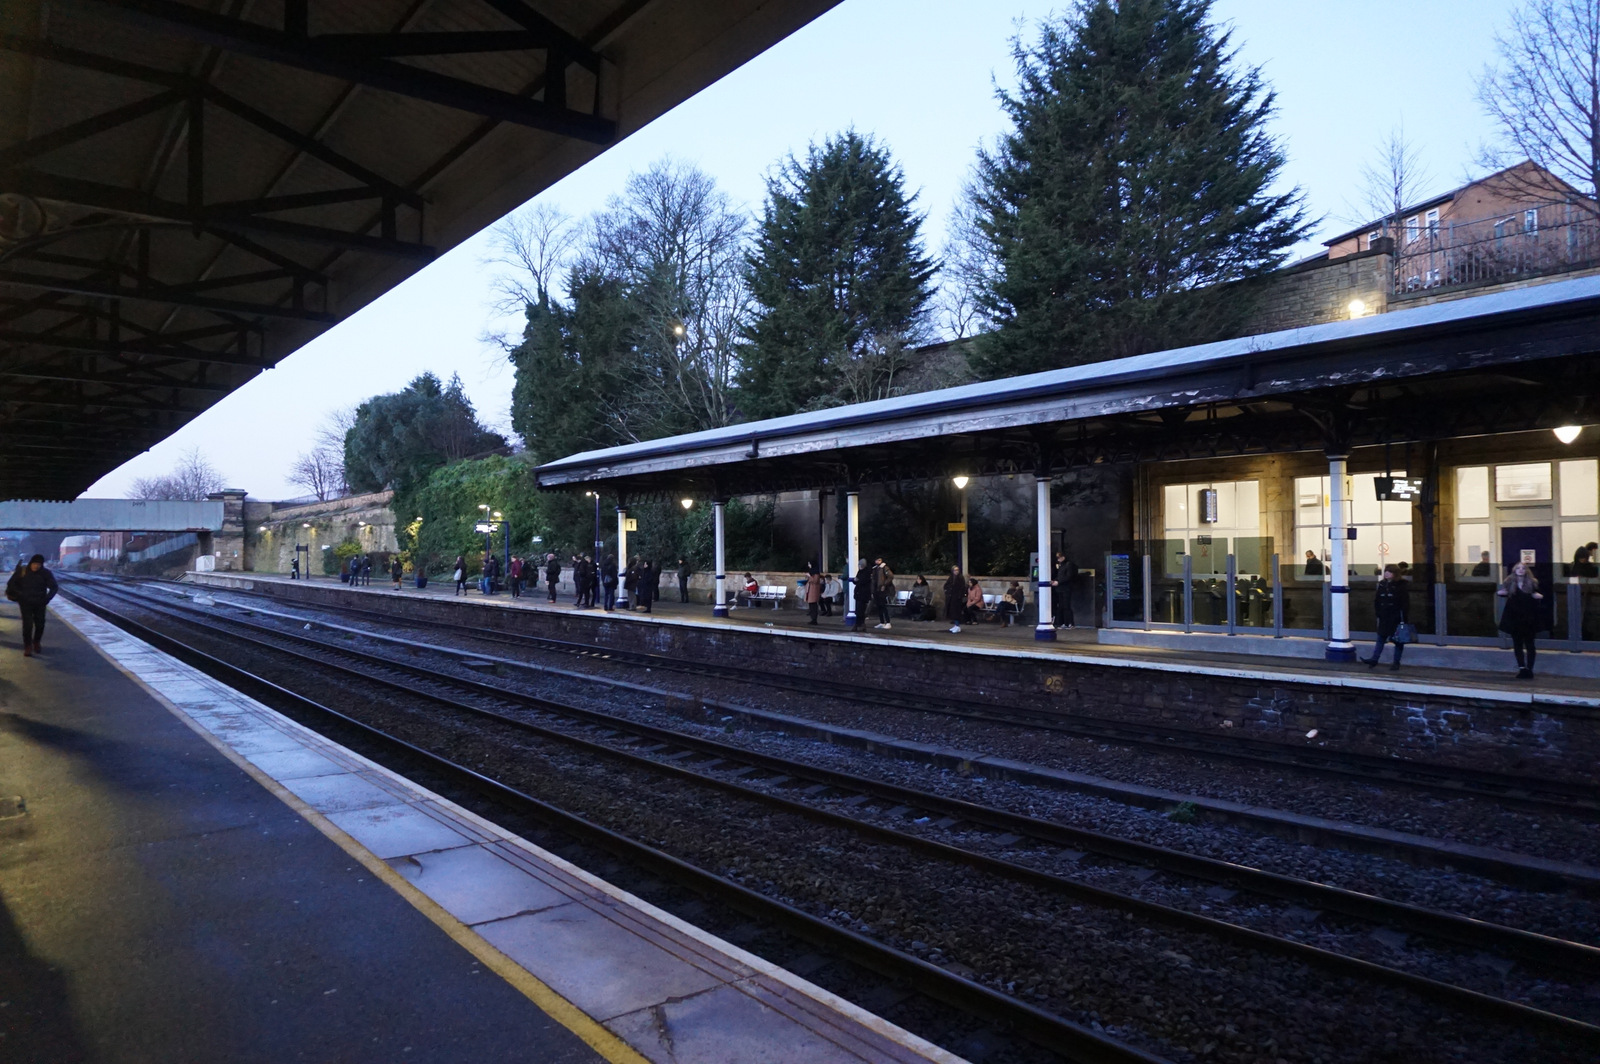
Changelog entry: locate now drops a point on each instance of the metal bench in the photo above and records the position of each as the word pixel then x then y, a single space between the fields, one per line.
pixel 776 594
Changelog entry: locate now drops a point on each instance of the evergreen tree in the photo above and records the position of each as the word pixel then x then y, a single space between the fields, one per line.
pixel 1134 185
pixel 839 278
pixel 398 439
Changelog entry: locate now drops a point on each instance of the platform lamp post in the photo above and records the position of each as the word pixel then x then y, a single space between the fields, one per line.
pixel 505 539
pixel 598 542
pixel 961 486
pixel 852 552
pixel 1045 630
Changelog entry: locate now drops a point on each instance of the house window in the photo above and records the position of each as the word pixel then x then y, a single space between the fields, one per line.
pixel 1412 230
pixel 1374 236
pixel 1431 222
pixel 1383 529
pixel 1572 487
pixel 1530 220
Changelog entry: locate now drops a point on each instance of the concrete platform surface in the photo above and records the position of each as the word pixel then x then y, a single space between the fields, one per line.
pixel 198 878
pixel 1427 671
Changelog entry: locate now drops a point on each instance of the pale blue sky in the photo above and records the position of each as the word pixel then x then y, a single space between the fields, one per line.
pixel 918 74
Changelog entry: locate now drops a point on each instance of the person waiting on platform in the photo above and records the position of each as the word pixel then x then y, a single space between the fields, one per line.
pixel 1482 568
pixel 1012 602
pixel 32 587
pixel 398 570
pixel 974 601
pixel 1521 617
pixel 460 574
pixel 861 595
pixel 685 571
pixel 1062 576
pixel 832 590
pixel 514 576
pixel 1314 566
pixel 955 598
pixel 920 598
pixel 813 595
pixel 1392 605
pixel 883 592
pixel 747 591
pixel 644 587
pixel 1583 561
pixel 552 574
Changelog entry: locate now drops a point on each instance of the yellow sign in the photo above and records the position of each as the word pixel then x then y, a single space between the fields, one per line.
pixel 630 524
pixel 958 526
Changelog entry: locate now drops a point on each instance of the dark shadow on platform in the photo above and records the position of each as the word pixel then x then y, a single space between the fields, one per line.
pixel 36 1021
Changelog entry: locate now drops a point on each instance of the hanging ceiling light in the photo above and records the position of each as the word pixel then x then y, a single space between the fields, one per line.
pixel 1568 433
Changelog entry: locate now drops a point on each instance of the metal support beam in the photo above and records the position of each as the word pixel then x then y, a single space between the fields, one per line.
pixel 306 53
pixel 90 286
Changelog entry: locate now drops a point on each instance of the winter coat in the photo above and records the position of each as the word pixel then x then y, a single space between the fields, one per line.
pixel 813 588
pixel 1522 615
pixel 31 587
pixel 1391 604
pixel 861 589
pixel 955 597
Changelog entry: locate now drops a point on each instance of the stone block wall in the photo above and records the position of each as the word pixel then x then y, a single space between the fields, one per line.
pixel 1320 291
pixel 272 530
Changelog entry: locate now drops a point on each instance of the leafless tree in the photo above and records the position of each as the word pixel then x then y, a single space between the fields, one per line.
pixel 319 472
pixel 964 274
pixel 531 248
pixel 1544 97
pixel 677 242
pixel 1394 179
pixel 191 480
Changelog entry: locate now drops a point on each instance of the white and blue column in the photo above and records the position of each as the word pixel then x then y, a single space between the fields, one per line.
pixel 852 553
pixel 1045 630
pixel 720 604
pixel 1340 648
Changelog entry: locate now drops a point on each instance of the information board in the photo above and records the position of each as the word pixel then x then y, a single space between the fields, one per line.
pixel 1120 577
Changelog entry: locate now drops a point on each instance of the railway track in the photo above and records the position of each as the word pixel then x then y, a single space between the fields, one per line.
pixel 733 770
pixel 1524 792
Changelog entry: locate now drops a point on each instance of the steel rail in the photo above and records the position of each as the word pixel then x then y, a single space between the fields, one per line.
pixel 1056 1033
pixel 1342 964
pixel 1542 795
pixel 1527 946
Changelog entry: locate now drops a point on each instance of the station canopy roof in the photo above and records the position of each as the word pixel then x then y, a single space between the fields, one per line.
pixel 1503 362
pixel 191 191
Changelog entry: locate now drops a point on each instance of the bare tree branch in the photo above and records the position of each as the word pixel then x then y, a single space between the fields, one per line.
pixel 191 480
pixel 1544 96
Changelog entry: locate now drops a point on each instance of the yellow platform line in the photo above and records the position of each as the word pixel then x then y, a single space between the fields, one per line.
pixel 536 990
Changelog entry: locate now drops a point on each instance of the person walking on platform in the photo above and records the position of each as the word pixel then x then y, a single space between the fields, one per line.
pixel 861 594
pixel 552 574
pixel 460 574
pixel 646 586
pixel 1521 617
pixel 32 587
pixel 294 569
pixel 398 570
pixel 1391 603
pixel 955 598
pixel 813 593
pixel 684 573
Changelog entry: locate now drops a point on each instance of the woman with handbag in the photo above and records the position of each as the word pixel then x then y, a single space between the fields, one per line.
pixel 1521 618
pixel 1392 604
pixel 460 574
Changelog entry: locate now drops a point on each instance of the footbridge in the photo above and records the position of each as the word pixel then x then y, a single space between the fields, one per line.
pixel 112 515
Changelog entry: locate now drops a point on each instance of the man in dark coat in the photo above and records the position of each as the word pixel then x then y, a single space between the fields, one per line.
pixel 647 585
pixel 1391 604
pixel 32 587
pixel 861 592
pixel 955 598
pixel 552 574
pixel 1062 576
pixel 684 572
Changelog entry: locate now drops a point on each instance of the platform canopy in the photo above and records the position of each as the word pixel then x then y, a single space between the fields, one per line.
pixel 1505 362
pixel 191 191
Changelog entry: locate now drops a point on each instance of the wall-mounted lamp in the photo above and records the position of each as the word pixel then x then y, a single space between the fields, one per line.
pixel 1568 433
pixel 1358 308
pixel 959 482
pixel 686 503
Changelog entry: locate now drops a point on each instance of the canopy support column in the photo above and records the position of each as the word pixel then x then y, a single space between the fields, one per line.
pixel 852 549
pixel 1045 630
pixel 1339 646
pixel 720 608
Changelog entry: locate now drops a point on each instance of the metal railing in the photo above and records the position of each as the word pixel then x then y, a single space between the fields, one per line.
pixel 1490 250
pixel 1284 601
